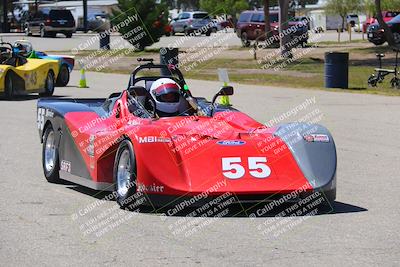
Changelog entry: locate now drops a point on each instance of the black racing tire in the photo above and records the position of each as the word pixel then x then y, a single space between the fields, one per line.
pixel 49 84
pixel 63 76
pixel 124 174
pixel 9 86
pixel 68 34
pixel 52 173
pixel 208 33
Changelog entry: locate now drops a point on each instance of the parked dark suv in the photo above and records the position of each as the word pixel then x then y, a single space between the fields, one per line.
pixel 376 34
pixel 251 26
pixel 49 22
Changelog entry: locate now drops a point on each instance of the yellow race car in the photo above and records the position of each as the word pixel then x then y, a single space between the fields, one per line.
pixel 19 75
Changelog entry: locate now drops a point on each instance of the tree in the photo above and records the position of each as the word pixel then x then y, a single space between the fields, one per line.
pixel 140 18
pixel 266 18
pixel 188 4
pixel 370 6
pixel 230 7
pixel 283 26
pixel 303 3
pixel 343 8
pixel 388 33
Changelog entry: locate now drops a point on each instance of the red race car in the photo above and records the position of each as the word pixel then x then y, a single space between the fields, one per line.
pixel 155 138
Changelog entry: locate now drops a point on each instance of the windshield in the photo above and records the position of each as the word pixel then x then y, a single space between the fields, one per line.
pixel 244 17
pixel 61 14
pixel 392 14
pixel 396 19
pixel 201 16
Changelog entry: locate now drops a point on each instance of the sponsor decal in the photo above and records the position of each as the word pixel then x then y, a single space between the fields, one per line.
pixel 41 114
pixel 231 142
pixel 153 139
pixel 90 147
pixel 232 167
pixel 322 138
pixel 150 188
pixel 65 166
pixel 49 113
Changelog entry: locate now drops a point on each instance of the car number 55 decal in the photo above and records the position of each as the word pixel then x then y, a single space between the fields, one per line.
pixel 233 169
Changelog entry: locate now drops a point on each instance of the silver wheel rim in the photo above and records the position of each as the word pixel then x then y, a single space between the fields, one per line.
pixel 49 83
pixel 124 173
pixel 49 152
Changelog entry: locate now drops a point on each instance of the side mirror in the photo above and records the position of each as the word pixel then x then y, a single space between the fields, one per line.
pixel 136 91
pixel 224 91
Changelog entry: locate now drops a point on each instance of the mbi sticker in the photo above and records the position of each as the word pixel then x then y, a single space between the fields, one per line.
pixel 231 142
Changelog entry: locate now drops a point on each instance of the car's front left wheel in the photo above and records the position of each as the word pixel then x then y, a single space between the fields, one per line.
pixel 9 86
pixel 125 174
pixel 50 159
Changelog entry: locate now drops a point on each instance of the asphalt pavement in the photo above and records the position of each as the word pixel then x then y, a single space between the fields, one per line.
pixel 45 224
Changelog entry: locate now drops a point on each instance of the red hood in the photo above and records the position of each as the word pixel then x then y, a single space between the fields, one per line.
pixel 190 158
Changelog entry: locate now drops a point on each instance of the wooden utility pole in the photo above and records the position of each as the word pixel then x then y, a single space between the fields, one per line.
pixel 5 17
pixel 283 26
pixel 388 33
pixel 85 22
pixel 266 19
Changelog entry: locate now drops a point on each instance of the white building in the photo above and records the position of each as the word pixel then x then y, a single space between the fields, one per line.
pixel 94 7
pixel 319 18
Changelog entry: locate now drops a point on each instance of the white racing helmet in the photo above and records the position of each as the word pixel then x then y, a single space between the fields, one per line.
pixel 166 94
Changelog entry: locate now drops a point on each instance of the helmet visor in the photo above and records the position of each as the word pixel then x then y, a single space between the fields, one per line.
pixel 171 97
pixel 168 93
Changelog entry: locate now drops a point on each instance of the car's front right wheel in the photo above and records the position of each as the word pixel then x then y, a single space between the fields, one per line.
pixel 125 174
pixel 49 84
pixel 63 76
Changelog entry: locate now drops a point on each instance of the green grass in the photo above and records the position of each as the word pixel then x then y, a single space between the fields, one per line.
pixel 305 73
pixel 126 51
pixel 358 76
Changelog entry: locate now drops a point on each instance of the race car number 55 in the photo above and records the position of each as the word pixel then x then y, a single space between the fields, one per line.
pixel 233 169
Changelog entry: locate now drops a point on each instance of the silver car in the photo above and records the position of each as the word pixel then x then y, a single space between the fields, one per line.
pixel 197 22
